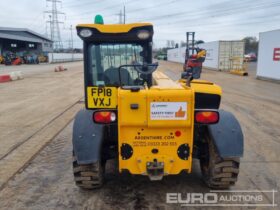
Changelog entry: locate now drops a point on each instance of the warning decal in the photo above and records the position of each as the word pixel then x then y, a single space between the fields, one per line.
pixel 168 111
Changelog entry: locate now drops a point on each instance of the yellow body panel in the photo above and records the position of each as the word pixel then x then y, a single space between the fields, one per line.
pixel 150 127
pixel 203 86
pixel 114 28
pixel 150 119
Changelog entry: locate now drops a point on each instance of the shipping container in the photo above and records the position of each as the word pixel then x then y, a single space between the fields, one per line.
pixel 220 54
pixel 268 66
pixel 218 57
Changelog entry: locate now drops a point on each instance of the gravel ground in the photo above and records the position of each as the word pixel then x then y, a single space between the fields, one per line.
pixel 47 182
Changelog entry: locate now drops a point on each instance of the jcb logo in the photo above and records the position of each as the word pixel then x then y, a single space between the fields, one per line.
pixel 102 97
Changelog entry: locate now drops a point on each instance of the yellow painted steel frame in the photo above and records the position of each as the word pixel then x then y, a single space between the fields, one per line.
pixel 146 128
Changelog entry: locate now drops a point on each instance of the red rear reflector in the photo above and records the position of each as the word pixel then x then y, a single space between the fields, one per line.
pixel 178 133
pixel 206 117
pixel 104 117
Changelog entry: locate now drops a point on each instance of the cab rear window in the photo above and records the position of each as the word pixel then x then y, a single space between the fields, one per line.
pixel 106 60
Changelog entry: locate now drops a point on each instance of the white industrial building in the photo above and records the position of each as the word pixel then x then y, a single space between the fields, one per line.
pixel 268 66
pixel 219 54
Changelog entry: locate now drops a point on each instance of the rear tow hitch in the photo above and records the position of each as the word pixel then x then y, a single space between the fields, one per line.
pixel 155 170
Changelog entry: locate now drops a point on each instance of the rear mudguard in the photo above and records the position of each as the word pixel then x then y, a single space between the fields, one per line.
pixel 87 138
pixel 227 136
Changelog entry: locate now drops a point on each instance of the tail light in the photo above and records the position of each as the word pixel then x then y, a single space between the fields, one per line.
pixel 104 117
pixel 206 117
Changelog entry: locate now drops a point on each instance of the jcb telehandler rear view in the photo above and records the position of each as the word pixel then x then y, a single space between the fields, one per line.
pixel 152 125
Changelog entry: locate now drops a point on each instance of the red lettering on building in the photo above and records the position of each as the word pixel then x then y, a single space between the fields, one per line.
pixel 276 54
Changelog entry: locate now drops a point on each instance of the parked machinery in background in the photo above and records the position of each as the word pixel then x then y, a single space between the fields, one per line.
pixel 193 59
pixel 31 59
pixel 12 59
pixel 2 60
pixel 43 58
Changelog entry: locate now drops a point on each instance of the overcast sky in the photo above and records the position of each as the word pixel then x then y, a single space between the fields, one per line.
pixel 210 19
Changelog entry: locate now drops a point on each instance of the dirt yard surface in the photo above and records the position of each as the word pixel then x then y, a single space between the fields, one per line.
pixel 47 182
pixel 34 109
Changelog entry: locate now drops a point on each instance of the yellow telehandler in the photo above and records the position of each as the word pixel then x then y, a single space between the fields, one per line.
pixel 152 125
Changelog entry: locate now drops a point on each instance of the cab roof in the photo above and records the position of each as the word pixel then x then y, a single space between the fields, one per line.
pixel 113 28
pixel 115 33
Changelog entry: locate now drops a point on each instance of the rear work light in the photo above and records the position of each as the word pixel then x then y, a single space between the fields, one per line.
pixel 143 34
pixel 104 117
pixel 206 117
pixel 85 33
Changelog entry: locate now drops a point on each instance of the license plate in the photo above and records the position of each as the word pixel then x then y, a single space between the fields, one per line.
pixel 102 97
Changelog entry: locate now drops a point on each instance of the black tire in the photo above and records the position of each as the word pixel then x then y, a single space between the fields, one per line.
pixel 218 172
pixel 89 176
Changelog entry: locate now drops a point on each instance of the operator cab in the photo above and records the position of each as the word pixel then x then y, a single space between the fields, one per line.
pixel 117 54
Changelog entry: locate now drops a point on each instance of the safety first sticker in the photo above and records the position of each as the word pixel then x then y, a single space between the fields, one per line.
pixel 168 110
